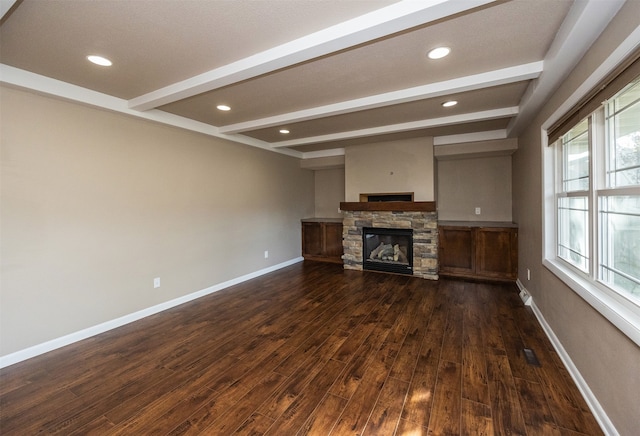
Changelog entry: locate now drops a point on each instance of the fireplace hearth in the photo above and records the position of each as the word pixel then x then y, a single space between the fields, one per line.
pixel 388 250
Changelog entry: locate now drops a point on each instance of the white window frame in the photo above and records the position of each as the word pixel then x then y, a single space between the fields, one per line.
pixel 619 309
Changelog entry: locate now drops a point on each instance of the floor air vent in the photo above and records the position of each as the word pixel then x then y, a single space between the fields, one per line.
pixel 531 357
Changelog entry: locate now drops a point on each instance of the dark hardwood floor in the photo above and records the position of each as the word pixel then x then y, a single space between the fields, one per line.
pixel 309 349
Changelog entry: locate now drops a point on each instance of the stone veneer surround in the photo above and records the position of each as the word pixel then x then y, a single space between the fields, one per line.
pixel 425 237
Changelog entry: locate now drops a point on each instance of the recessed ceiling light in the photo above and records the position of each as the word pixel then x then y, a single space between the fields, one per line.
pixel 438 53
pixel 99 60
pixel 223 107
pixel 449 103
pixel 284 131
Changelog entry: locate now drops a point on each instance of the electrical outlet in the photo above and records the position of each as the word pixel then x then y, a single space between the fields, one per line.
pixel 477 211
pixel 156 282
pixel 266 254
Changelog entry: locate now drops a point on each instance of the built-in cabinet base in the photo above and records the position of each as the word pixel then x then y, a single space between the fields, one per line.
pixel 478 250
pixel 322 239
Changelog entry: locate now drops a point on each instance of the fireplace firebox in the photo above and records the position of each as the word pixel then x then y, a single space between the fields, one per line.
pixel 389 250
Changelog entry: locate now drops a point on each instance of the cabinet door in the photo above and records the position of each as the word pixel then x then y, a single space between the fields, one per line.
pixel 496 254
pixel 333 240
pixel 456 250
pixel 312 239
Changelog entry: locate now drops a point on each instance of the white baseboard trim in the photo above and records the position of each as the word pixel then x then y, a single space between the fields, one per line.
pixel 603 420
pixel 60 342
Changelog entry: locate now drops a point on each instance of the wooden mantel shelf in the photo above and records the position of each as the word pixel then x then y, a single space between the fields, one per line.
pixel 392 206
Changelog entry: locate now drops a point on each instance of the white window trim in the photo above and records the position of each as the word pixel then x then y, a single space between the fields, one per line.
pixel 615 307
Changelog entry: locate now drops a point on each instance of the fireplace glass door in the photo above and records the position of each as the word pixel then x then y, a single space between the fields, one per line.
pixel 389 250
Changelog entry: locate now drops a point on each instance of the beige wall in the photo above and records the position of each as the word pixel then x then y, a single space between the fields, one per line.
pixel 464 184
pixel 96 204
pixel 329 189
pixel 605 357
pixel 399 166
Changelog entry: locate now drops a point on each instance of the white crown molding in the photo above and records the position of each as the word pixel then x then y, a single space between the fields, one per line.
pixel 377 24
pixel 45 85
pixel 489 135
pixel 323 153
pixel 403 127
pixel 488 79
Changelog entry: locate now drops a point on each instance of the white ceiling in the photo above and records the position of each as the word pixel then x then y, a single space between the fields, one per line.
pixel 333 72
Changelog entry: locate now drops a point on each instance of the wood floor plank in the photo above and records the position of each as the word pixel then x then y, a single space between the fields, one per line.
pixel 452 342
pixel 474 368
pixel 357 411
pixel 421 389
pixel 324 417
pixel 406 427
pixel 308 349
pixel 536 412
pixel 410 330
pixel 97 427
pixel 255 425
pixel 490 322
pixel 298 412
pixel 289 391
pixel 447 409
pixel 505 403
pixel 164 410
pixel 387 411
pixel 474 375
pixel 378 330
pixel 92 406
pixel 127 408
pixel 476 419
pixel 233 417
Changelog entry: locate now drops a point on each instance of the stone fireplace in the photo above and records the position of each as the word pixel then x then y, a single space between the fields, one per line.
pixel 418 217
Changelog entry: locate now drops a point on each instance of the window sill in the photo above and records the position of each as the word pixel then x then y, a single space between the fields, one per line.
pixel 622 313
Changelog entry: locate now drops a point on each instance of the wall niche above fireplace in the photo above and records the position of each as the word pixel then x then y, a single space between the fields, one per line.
pixel 391 196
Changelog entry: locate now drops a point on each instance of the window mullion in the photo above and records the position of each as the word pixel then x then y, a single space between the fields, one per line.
pixel 598 182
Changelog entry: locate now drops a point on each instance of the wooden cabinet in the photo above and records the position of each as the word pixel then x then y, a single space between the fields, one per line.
pixel 478 250
pixel 322 239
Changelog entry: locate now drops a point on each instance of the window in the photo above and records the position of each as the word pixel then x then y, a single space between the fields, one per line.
pixel 597 199
pixel 573 197
pixel 619 208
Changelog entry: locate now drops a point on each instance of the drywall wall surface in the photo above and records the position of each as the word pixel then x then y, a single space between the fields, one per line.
pixel 467 184
pixel 390 167
pixel 608 360
pixel 329 188
pixel 95 205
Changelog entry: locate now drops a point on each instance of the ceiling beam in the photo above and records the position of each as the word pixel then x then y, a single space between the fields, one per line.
pixel 377 24
pixel 488 79
pixel 403 127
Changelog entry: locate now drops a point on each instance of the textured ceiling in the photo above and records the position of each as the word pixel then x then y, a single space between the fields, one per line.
pixel 333 72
